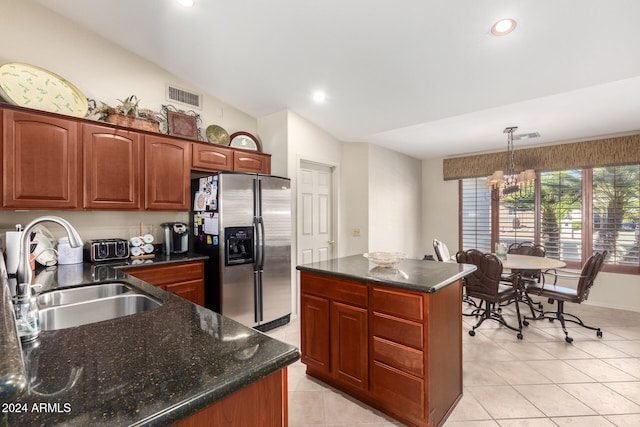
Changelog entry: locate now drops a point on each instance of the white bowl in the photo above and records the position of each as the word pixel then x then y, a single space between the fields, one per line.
pixel 385 259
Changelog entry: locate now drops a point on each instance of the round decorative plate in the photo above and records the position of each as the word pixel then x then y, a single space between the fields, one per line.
pixel 34 87
pixel 217 135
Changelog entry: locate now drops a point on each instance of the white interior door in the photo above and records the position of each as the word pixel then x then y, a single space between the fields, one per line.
pixel 315 224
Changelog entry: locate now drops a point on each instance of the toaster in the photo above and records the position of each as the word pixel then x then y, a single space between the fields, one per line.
pixel 106 250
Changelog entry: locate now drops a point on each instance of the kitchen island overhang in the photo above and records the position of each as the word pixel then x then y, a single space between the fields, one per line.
pixel 390 337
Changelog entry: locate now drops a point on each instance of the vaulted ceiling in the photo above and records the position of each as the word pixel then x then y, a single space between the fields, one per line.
pixel 422 77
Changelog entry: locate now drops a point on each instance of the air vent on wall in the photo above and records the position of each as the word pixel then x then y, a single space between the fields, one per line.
pixel 184 97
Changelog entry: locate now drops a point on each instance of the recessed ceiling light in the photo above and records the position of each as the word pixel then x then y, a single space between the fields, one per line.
pixel 503 27
pixel 319 96
pixel 186 3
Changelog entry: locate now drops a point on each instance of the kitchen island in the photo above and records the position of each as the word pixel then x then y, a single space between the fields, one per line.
pixel 176 364
pixel 390 337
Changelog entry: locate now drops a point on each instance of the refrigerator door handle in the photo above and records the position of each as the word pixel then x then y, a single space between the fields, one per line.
pixel 262 244
pixel 257 243
pixel 257 297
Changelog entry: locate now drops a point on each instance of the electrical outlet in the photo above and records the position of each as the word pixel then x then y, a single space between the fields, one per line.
pixel 356 232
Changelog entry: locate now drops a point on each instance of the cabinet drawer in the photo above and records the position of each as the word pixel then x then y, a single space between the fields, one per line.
pixel 398 330
pixel 335 288
pixel 169 274
pixel 398 303
pixel 399 356
pixel 211 158
pixel 402 391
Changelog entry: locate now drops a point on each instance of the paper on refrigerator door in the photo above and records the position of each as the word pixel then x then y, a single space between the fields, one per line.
pixel 210 225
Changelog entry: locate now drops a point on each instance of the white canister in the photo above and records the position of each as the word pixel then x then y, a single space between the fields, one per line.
pixel 67 254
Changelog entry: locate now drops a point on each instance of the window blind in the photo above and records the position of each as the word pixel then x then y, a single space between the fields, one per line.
pixel 561 214
pixel 616 207
pixel 476 215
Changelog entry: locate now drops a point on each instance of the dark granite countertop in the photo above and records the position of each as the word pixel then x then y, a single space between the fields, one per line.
pixel 149 369
pixel 159 259
pixel 410 274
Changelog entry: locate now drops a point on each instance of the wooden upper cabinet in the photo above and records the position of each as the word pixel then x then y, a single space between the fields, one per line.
pixel 41 156
pixel 167 164
pixel 113 168
pixel 210 158
pixel 244 161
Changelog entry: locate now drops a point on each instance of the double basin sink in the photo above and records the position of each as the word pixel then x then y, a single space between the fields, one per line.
pixel 69 307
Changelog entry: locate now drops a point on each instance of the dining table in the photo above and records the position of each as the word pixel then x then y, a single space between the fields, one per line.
pixel 529 262
pixel 521 263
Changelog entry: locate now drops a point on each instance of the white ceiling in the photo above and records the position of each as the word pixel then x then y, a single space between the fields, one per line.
pixel 422 77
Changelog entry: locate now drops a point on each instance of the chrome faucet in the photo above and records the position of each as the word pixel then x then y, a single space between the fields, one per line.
pixel 25 273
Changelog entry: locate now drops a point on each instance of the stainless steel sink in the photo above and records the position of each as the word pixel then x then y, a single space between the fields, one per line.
pixel 82 294
pixel 67 308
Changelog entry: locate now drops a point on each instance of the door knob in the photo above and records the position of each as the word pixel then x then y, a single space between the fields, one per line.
pixel 331 242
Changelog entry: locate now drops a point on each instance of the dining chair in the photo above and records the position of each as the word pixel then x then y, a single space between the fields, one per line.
pixel 531 249
pixel 526 276
pixel 443 255
pixel 441 250
pixel 585 280
pixel 486 284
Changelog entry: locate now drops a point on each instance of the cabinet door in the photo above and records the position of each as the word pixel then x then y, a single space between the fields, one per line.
pixel 349 337
pixel 314 339
pixel 41 161
pixel 251 162
pixel 167 173
pixel 112 173
pixel 210 158
pixel 192 290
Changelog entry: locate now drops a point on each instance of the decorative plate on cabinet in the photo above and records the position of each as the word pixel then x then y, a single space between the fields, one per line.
pixel 34 87
pixel 217 135
pixel 245 140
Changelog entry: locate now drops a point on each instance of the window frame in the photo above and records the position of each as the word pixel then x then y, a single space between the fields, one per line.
pixel 587 230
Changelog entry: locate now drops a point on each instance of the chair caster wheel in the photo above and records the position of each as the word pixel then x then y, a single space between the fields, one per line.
pixel 599 334
pixel 472 333
pixel 569 340
pixel 519 336
pixel 525 322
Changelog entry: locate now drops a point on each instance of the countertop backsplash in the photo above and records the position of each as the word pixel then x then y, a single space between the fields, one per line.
pixel 96 224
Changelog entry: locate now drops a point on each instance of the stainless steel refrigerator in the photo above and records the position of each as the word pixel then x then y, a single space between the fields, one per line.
pixel 243 222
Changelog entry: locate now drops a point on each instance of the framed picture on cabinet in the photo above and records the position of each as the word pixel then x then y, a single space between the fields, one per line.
pixel 183 124
pixel 245 141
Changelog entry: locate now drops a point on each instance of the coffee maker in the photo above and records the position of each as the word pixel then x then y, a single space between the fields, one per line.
pixel 176 237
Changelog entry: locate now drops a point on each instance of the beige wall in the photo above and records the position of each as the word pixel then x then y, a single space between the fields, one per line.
pixel 355 199
pixel 440 220
pixel 394 189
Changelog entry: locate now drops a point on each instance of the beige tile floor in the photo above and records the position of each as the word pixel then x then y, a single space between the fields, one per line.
pixel 539 381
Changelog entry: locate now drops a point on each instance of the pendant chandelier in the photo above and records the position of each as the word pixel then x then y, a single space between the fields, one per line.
pixel 511 184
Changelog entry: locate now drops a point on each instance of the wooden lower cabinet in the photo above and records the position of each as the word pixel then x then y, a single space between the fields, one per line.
pixel 350 344
pixel 263 404
pixel 399 351
pixel 183 279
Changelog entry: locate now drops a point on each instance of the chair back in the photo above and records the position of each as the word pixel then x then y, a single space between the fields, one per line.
pixel 527 248
pixel 588 275
pixel 483 283
pixel 441 250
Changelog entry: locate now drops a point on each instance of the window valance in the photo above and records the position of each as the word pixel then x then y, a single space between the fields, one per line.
pixel 602 152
